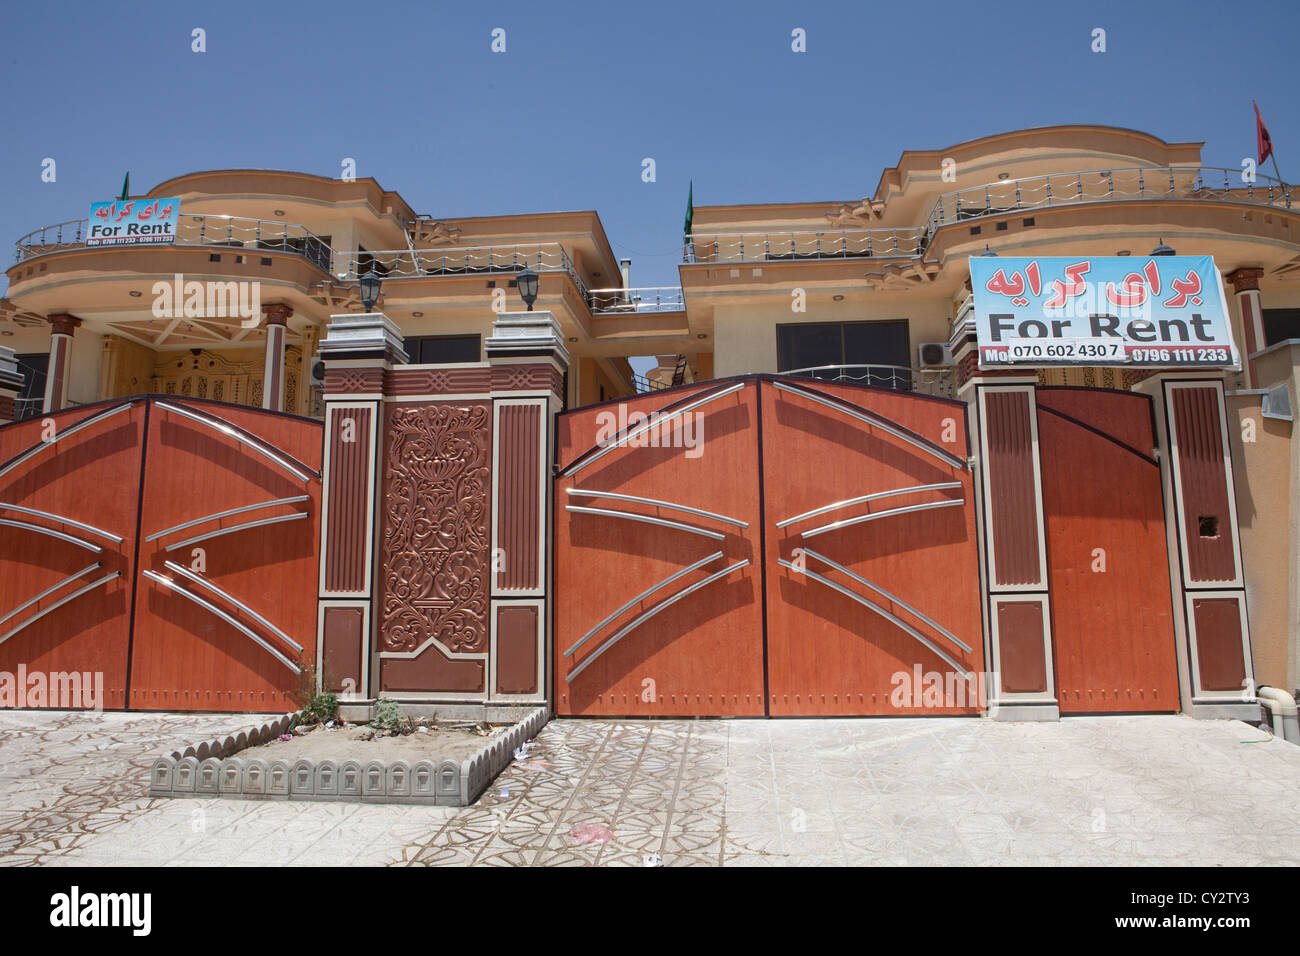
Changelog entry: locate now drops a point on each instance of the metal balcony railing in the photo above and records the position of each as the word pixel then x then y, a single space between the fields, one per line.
pixel 899 378
pixel 654 299
pixel 1107 185
pixel 487 260
pixel 457 260
pixel 793 246
pixel 995 199
pixel 206 230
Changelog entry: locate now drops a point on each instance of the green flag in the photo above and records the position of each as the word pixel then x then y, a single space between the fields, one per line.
pixel 690 209
pixel 126 186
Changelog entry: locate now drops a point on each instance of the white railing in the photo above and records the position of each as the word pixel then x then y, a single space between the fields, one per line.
pixel 995 199
pixel 791 246
pixel 506 260
pixel 651 299
pixel 899 378
pixel 1107 185
pixel 206 230
pixel 456 260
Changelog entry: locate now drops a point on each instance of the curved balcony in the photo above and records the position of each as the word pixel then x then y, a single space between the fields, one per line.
pixel 205 230
pixel 1181 183
pixel 1107 185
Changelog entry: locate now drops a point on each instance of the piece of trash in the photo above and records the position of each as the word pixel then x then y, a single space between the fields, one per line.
pixel 422 729
pixel 330 725
pixel 505 791
pixel 534 765
pixel 653 859
pixel 285 737
pixel 590 833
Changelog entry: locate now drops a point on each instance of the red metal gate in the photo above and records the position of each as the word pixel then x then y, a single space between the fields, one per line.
pixel 765 546
pixel 1107 557
pixel 169 544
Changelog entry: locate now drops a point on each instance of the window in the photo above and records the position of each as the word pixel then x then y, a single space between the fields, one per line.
pixel 442 349
pixel 847 343
pixel 1280 325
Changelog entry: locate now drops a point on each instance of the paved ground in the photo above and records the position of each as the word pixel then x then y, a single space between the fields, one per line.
pixel 1127 790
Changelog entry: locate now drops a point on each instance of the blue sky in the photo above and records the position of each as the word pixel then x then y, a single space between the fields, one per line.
pixel 585 91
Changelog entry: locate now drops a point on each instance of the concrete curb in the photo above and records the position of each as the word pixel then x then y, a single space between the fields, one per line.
pixel 212 769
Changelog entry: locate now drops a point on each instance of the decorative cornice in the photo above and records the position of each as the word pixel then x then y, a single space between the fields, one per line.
pixel 61 323
pixel 277 313
pixel 1245 280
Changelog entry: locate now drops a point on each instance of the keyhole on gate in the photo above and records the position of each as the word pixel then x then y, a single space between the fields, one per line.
pixel 1208 525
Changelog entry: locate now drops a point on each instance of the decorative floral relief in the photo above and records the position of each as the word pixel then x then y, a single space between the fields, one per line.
pixel 435 545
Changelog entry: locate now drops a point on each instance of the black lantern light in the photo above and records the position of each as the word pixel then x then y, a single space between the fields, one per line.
pixel 526 282
pixel 1163 250
pixel 369 290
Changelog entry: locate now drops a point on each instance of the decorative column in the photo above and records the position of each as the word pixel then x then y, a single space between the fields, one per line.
pixel 358 350
pixel 62 326
pixel 1012 534
pixel 277 317
pixel 1216 675
pixel 528 360
pixel 1245 284
pixel 11 385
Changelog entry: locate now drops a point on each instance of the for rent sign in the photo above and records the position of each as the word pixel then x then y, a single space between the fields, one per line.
pixel 124 222
pixel 1109 310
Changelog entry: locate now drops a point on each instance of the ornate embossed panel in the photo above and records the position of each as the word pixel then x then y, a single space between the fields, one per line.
pixel 435 544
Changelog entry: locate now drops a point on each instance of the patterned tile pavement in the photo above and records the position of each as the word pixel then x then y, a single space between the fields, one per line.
pixel 1120 790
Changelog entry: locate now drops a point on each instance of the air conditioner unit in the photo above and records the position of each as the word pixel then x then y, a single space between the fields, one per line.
pixel 934 355
pixel 316 374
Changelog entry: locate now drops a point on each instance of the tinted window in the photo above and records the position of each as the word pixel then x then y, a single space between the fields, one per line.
pixel 442 349
pixel 842 343
pixel 1280 325
pixel 807 346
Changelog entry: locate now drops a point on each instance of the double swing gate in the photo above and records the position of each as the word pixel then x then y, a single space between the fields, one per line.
pixel 772 546
pixel 163 549
pixel 757 546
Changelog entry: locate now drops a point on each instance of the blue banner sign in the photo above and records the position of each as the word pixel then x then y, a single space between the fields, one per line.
pixel 130 221
pixel 1101 310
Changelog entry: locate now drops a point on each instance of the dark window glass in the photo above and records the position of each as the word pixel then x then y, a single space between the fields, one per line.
pixel 443 349
pixel 876 343
pixel 848 344
pixel 807 346
pixel 1280 325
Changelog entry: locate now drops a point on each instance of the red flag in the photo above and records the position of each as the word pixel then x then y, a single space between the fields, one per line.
pixel 1263 140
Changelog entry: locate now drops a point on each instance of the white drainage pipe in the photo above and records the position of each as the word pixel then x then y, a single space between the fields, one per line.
pixel 1282 709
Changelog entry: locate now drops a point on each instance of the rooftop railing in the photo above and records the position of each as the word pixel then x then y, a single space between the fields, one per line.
pixel 994 199
pixel 794 246
pixel 206 230
pixel 467 260
pixel 487 260
pixel 653 299
pixel 1108 185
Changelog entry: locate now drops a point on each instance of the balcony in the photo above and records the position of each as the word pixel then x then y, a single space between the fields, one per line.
pixel 1107 185
pixel 898 378
pixel 205 230
pixel 625 301
pixel 798 246
pixel 544 257
pixel 1182 183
